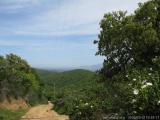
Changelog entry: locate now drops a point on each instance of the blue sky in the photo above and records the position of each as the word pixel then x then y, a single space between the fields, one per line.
pixel 55 33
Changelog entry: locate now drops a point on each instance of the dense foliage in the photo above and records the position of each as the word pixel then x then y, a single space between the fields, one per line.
pixel 18 79
pixel 131 70
pixel 6 114
pixel 64 88
pixel 75 93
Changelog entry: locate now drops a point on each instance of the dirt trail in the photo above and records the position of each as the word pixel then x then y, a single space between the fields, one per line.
pixel 43 112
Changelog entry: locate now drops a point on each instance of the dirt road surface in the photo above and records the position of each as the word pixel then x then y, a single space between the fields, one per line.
pixel 43 112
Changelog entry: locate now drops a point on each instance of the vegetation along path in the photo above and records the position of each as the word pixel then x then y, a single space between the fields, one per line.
pixel 43 112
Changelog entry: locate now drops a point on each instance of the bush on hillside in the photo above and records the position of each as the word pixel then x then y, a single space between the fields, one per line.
pixel 18 79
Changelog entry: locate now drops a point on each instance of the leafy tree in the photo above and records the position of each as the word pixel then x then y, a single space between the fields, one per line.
pixel 129 40
pixel 131 69
pixel 17 78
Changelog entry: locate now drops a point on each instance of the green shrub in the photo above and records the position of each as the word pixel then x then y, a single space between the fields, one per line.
pixel 6 114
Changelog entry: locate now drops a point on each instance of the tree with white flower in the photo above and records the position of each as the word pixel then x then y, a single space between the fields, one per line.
pixel 131 69
pixel 135 91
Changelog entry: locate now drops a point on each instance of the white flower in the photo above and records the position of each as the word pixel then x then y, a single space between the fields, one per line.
pixel 134 100
pixel 135 92
pixel 150 69
pixel 127 76
pixel 134 111
pixel 134 79
pixel 154 59
pixel 129 84
pixel 86 104
pixel 149 74
pixel 91 106
pixel 131 59
pixel 159 102
pixel 144 86
pixel 76 106
pixel 116 60
pixel 79 113
pixel 149 84
pixel 115 95
pixel 155 8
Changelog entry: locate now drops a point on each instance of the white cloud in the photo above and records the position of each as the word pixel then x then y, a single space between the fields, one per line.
pixel 73 17
pixel 20 43
pixel 17 4
pixel 70 17
pixel 47 44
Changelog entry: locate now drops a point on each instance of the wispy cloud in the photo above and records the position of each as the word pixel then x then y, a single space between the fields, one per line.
pixel 68 18
pixel 10 5
pixel 20 43
pixel 55 33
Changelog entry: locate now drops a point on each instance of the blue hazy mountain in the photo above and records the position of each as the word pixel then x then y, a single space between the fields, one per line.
pixel 89 67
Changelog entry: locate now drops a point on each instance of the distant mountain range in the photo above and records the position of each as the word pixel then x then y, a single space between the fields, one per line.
pixel 90 68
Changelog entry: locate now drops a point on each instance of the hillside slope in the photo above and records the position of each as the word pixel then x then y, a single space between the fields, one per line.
pixel 65 79
pixel 64 87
